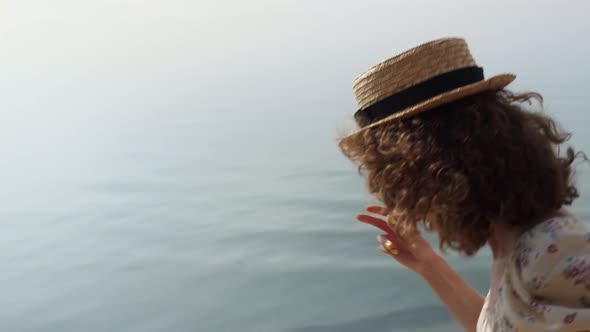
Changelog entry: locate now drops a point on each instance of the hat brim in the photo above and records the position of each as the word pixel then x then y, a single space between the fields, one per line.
pixel 497 82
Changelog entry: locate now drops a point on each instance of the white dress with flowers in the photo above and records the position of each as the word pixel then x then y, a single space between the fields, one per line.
pixel 546 283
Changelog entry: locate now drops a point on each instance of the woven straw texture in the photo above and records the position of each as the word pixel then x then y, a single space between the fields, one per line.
pixel 410 68
pixel 415 66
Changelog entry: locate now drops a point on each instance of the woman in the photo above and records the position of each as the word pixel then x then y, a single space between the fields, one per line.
pixel 444 148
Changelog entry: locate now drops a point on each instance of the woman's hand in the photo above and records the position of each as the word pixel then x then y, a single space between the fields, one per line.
pixel 418 255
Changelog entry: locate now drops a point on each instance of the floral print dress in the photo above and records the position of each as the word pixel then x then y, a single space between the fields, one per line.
pixel 546 283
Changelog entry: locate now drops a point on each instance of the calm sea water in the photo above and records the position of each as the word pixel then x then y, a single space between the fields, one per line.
pixel 169 219
pixel 172 165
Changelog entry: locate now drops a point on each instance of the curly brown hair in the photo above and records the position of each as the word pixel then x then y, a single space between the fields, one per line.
pixel 482 160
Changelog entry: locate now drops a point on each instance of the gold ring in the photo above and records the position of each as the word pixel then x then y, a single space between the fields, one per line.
pixel 391 220
pixel 388 244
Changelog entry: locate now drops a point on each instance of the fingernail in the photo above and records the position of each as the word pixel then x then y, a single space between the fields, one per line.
pixel 394 251
pixel 388 244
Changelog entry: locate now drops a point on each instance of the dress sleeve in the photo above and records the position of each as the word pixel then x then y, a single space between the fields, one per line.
pixel 547 283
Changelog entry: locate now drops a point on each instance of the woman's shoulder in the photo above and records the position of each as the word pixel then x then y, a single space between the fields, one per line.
pixel 550 249
pixel 556 226
pixel 548 279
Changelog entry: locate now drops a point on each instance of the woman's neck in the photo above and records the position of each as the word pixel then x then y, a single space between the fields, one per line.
pixel 502 240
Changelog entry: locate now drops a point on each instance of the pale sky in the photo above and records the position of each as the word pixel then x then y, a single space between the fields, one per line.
pixel 100 53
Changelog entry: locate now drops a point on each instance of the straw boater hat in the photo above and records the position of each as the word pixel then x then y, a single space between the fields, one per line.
pixel 417 80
